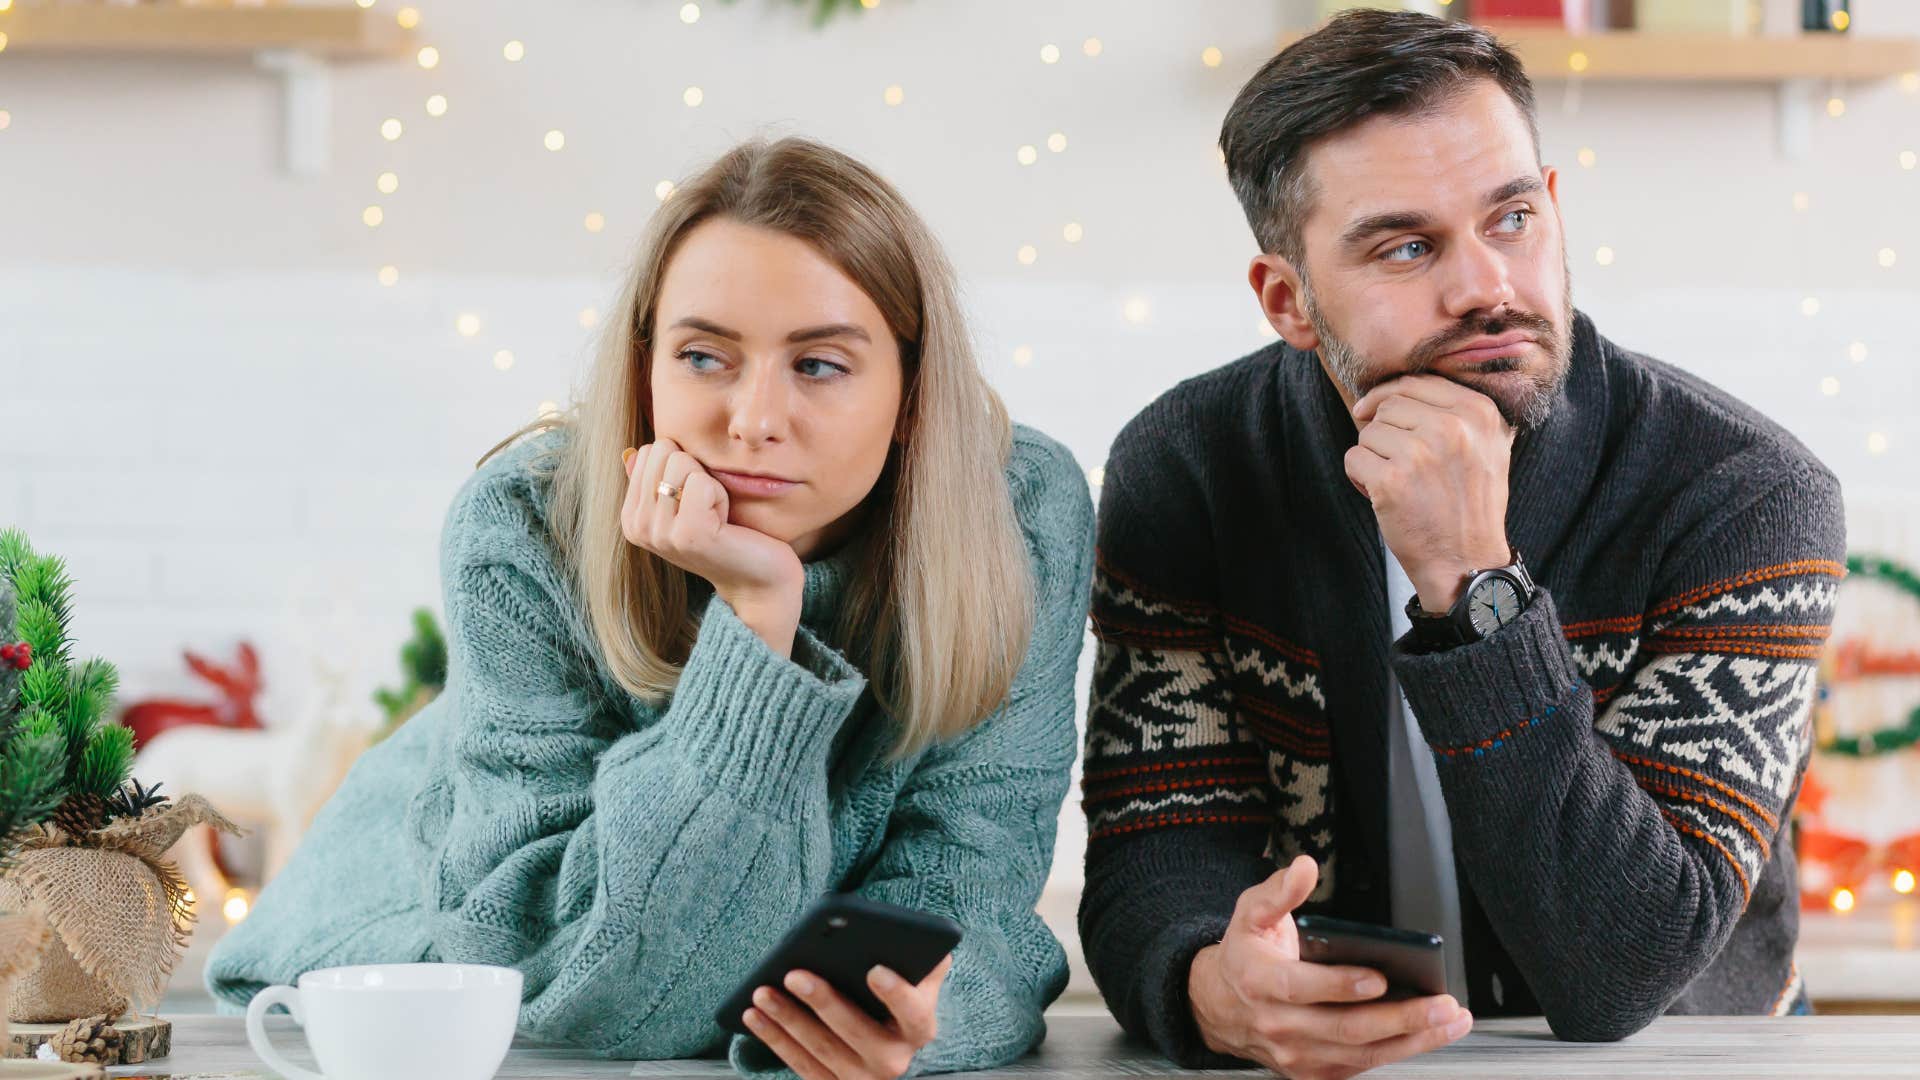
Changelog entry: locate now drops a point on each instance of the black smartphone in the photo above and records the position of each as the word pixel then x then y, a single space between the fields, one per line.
pixel 840 939
pixel 1411 961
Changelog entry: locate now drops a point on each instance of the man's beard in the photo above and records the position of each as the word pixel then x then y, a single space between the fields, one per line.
pixel 1525 406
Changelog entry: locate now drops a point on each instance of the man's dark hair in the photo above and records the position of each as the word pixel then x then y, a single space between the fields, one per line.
pixel 1362 63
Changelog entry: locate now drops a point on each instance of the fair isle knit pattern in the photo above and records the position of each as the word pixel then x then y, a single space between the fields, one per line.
pixel 1618 764
pixel 635 859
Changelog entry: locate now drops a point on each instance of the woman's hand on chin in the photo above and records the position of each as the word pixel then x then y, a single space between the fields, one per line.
pixel 758 576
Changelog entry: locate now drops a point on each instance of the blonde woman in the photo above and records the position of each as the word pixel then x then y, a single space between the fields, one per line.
pixel 784 606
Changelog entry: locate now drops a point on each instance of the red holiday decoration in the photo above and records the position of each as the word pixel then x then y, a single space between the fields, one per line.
pixel 1831 860
pixel 19 656
pixel 1562 15
pixel 1856 659
pixel 237 687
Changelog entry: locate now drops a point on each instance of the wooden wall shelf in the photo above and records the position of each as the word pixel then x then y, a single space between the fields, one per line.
pixel 1627 56
pixel 1801 67
pixel 296 43
pixel 345 32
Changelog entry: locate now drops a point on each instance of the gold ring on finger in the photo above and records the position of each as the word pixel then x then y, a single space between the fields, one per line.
pixel 667 491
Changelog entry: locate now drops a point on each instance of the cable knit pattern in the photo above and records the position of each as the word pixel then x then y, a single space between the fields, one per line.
pixel 634 860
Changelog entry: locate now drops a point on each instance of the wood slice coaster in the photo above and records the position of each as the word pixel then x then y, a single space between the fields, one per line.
pixel 49 1070
pixel 141 1038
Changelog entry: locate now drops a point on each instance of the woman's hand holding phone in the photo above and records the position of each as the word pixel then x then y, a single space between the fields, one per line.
pixel 823 1036
pixel 1255 998
pixel 758 576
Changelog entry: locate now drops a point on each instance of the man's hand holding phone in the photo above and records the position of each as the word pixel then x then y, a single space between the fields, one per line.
pixel 823 1036
pixel 1255 998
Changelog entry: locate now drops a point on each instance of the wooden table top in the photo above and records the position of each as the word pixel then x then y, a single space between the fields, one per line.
pixel 205 1047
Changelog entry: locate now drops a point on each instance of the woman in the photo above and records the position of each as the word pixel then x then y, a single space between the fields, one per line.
pixel 785 606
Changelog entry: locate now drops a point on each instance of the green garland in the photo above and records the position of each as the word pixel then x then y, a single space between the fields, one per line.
pixel 1887 739
pixel 824 10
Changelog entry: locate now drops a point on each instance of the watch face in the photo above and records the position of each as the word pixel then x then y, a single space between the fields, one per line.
pixel 1494 603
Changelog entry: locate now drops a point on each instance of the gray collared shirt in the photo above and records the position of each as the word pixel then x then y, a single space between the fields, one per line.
pixel 1426 895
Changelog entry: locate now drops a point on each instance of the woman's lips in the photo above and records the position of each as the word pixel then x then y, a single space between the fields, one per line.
pixel 749 486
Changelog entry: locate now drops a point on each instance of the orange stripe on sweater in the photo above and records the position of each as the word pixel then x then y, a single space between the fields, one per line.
pixel 1661 766
pixel 1793 973
pixel 1165 820
pixel 1766 849
pixel 1194 606
pixel 1738 648
pixel 1749 630
pixel 1751 577
pixel 1674 820
pixel 1089 799
pixel 1168 766
pixel 1625 624
pixel 1293 743
pixel 1266 637
pixel 1105 627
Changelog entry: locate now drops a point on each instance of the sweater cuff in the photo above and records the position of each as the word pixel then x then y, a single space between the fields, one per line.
pixel 761 724
pixel 1166 963
pixel 1474 694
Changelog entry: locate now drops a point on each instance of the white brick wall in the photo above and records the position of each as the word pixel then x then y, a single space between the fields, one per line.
pixel 209 406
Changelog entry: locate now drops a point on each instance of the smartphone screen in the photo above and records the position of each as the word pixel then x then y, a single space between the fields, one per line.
pixel 840 939
pixel 1411 961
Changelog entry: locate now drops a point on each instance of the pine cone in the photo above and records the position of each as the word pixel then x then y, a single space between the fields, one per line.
pixel 78 815
pixel 89 1041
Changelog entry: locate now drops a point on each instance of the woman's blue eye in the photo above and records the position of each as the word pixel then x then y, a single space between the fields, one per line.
pixel 814 367
pixel 1391 255
pixel 695 358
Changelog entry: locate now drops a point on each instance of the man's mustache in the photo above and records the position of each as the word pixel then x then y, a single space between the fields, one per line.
pixel 1428 353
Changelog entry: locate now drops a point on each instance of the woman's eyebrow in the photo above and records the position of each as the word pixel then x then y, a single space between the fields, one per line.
pixel 831 330
pixel 811 333
pixel 708 327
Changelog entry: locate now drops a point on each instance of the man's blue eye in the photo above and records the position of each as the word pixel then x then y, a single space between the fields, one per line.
pixel 1523 215
pixel 1392 256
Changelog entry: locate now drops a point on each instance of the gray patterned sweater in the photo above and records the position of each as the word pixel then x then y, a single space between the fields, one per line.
pixel 1618 765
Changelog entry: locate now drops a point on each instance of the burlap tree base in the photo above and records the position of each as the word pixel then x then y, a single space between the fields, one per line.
pixel 117 909
pixel 49 1070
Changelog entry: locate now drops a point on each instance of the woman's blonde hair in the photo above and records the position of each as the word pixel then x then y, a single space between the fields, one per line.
pixel 940 607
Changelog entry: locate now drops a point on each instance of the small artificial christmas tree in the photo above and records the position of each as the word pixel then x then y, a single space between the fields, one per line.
pixel 56 709
pixel 84 848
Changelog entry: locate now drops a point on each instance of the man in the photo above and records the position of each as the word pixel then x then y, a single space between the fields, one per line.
pixel 1444 612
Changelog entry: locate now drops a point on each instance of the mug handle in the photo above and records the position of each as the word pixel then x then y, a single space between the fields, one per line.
pixel 257 1030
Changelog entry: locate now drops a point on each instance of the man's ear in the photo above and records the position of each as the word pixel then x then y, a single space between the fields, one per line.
pixel 1277 286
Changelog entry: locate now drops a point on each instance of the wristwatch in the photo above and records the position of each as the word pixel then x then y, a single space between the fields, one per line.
pixel 1491 600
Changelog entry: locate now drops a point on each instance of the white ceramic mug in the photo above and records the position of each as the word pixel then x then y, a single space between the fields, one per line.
pixel 395 1021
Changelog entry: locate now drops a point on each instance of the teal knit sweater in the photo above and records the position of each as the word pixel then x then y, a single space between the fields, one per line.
pixel 635 860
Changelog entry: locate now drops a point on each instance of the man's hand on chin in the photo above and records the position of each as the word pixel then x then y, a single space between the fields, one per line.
pixel 1433 458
